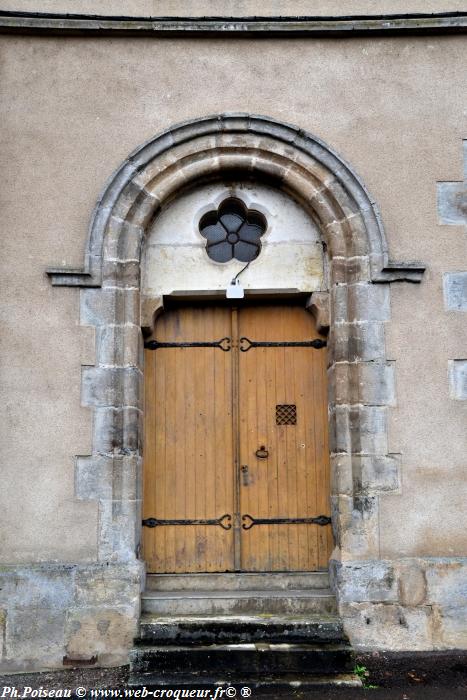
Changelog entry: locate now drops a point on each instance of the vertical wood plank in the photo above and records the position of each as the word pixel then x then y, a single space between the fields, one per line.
pixel 294 481
pixel 188 425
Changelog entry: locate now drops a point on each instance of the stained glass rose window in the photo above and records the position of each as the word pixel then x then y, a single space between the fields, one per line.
pixel 233 231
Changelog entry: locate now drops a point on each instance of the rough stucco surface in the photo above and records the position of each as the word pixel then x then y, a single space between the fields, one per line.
pixel 75 108
pixel 239 8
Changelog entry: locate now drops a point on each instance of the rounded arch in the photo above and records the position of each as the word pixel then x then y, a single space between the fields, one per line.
pixel 213 147
pixel 360 378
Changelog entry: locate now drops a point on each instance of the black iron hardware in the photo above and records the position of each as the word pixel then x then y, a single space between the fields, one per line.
pixel 246 344
pixel 225 522
pixel 262 453
pixel 223 344
pixel 249 522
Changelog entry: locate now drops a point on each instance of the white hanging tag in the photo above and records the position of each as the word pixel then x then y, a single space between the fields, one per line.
pixel 235 290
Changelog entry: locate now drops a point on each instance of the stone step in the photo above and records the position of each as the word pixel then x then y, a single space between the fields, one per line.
pixel 217 629
pixel 237 581
pixel 234 660
pixel 282 686
pixel 270 602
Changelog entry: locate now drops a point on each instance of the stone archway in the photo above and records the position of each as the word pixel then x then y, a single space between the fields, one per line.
pixel 357 304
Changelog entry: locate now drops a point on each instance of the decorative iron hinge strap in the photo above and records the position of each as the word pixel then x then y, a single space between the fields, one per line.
pixel 225 522
pixel 246 344
pixel 249 521
pixel 223 344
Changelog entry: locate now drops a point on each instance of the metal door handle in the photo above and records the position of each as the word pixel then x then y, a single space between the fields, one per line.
pixel 262 453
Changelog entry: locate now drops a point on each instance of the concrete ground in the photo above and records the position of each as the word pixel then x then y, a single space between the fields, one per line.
pixel 385 675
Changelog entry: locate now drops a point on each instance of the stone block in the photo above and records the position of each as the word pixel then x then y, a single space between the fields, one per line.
pixel 369 383
pixel 117 184
pixel 152 150
pixel 341 474
pixel 350 270
pixel 455 291
pixel 118 346
pixel 375 383
pixel 336 234
pixel 34 636
pixel 358 227
pixel 105 633
pixel 122 240
pixel 450 630
pixel 339 429
pixel 129 197
pixel 355 526
pixel 458 379
pixel 368 302
pixel 373 581
pixel 120 274
pixel 447 582
pixel 387 626
pixel 37 586
pixel 104 386
pixel 161 187
pixel 87 343
pixel 348 206
pixel 368 429
pixel 127 477
pixel 110 477
pixel 283 132
pixel 452 203
pixel 412 582
pixel 341 515
pixel 360 302
pixel 376 474
pixel 120 530
pixel 100 218
pixel 117 430
pixel 319 305
pixel 351 342
pixel 339 303
pixel 107 586
pixel 93 477
pixel 109 306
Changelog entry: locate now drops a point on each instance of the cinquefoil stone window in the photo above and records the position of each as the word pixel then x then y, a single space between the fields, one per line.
pixel 233 231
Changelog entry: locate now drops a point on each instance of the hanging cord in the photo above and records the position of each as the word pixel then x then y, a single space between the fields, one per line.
pixel 240 272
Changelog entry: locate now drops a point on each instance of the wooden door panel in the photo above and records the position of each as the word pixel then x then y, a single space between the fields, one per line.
pixel 293 481
pixel 188 443
pixel 207 412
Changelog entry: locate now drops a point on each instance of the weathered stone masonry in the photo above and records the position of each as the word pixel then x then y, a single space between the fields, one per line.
pixel 405 604
pixel 452 210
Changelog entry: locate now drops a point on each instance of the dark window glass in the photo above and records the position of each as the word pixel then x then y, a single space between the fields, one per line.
pixel 233 231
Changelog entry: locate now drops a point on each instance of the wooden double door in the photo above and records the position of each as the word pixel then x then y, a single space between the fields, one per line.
pixel 236 462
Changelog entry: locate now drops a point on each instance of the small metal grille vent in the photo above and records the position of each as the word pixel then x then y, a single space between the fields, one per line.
pixel 286 414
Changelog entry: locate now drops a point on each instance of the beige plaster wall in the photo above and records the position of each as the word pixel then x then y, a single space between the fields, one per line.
pixel 72 109
pixel 238 8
